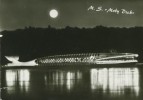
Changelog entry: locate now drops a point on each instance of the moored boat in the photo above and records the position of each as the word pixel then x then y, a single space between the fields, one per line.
pixel 83 58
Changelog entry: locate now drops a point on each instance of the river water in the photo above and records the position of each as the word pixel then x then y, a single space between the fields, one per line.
pixel 87 83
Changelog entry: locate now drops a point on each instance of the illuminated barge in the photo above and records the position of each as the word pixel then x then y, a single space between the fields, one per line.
pixel 90 58
pixel 84 58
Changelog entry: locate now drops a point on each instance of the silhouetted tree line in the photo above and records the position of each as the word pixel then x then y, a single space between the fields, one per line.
pixel 30 43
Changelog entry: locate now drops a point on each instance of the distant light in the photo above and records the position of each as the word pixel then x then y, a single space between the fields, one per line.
pixel 53 13
pixel 1 35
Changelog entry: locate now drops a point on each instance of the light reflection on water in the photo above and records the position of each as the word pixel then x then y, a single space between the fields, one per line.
pixel 20 77
pixel 116 81
pixel 106 81
pixel 63 78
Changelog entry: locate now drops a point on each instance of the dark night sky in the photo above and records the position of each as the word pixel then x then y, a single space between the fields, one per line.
pixel 20 13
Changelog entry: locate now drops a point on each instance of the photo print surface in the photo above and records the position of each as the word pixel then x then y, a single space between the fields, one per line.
pixel 71 49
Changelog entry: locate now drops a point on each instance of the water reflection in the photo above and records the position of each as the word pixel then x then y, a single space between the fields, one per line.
pixel 17 77
pixel 61 78
pixel 108 82
pixel 24 77
pixel 11 77
pixel 116 81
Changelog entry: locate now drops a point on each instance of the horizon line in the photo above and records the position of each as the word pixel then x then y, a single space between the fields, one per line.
pixel 49 26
